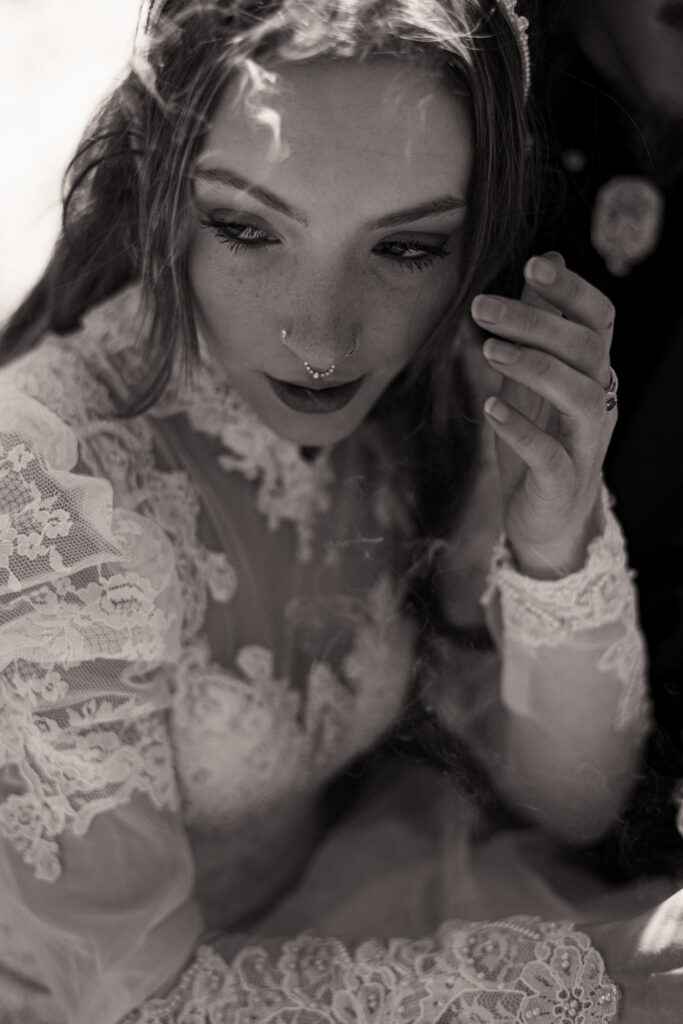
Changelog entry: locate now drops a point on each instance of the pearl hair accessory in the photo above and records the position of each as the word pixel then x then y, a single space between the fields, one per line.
pixel 520 26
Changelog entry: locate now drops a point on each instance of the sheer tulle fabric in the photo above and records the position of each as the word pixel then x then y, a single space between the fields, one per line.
pixel 199 629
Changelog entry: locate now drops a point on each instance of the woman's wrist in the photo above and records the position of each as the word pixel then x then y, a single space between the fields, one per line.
pixel 563 557
pixel 550 611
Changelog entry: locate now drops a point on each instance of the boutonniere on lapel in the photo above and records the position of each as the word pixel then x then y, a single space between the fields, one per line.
pixel 626 222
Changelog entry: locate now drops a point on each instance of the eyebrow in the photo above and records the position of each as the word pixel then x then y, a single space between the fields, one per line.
pixel 223 176
pixel 444 204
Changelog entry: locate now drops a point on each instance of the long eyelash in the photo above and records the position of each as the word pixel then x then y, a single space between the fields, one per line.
pixel 218 228
pixel 418 263
pixel 219 231
pixel 233 244
pixel 236 245
pixel 432 253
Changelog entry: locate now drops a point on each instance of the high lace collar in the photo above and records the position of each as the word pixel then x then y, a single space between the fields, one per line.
pixel 290 486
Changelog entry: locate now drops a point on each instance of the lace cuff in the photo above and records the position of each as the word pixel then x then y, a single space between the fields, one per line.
pixel 509 972
pixel 550 612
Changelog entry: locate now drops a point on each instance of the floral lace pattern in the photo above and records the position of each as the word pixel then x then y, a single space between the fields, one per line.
pixel 548 612
pixel 504 972
pixel 75 761
pixel 108 684
pixel 68 596
pixel 284 739
pixel 289 487
pixel 124 582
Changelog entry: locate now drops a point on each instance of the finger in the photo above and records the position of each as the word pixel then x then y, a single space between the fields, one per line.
pixel 541 452
pixel 516 395
pixel 571 294
pixel 534 298
pixel 577 346
pixel 575 396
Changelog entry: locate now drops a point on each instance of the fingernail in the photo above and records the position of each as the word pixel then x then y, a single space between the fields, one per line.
pixel 540 270
pixel 496 410
pixel 500 351
pixel 487 309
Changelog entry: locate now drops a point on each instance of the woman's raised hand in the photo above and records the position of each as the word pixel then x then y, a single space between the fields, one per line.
pixel 550 416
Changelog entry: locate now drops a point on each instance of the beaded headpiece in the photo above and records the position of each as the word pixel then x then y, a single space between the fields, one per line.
pixel 520 26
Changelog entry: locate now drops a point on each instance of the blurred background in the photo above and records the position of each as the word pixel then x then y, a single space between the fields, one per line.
pixel 58 58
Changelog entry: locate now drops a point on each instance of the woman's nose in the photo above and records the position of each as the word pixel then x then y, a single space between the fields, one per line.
pixel 323 334
pixel 321 346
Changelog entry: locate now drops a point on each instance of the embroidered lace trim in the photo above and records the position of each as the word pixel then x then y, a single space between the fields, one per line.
pixel 289 487
pixel 278 736
pixel 505 972
pixel 549 613
pixel 95 596
pixel 81 722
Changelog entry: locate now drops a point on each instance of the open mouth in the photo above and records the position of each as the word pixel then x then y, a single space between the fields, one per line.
pixel 329 398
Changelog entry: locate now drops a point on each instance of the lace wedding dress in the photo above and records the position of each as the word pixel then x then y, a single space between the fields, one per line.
pixel 199 629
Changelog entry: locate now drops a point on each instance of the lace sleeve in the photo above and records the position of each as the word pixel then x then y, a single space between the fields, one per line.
pixel 592 610
pixel 95 869
pixel 87 612
pixel 505 972
pixel 559 712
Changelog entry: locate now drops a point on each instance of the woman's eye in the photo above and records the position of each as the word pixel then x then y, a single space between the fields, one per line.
pixel 411 255
pixel 238 235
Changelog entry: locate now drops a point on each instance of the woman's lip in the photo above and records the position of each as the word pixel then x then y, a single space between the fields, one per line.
pixel 326 399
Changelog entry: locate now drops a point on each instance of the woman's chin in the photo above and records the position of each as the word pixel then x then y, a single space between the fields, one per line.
pixel 311 430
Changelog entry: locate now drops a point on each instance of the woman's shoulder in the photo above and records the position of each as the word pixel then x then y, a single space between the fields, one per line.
pixel 78 376
pixel 65 521
pixel 62 443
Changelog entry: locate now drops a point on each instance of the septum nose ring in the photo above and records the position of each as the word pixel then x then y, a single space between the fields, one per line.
pixel 315 372
pixel 319 374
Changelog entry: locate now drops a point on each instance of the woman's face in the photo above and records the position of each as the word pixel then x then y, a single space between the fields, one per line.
pixel 334 214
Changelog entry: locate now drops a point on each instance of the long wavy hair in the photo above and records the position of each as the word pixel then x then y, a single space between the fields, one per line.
pixel 128 190
pixel 128 202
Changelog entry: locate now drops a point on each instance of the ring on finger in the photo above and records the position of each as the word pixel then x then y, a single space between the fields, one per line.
pixel 611 390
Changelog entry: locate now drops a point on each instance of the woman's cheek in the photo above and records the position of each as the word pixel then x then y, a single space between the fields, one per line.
pixel 219 287
pixel 411 313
